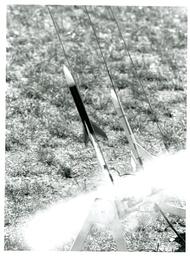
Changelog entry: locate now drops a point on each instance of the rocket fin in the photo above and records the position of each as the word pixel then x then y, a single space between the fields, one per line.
pixel 98 131
pixel 144 153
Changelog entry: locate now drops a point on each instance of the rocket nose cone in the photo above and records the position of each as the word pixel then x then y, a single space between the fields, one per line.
pixel 68 76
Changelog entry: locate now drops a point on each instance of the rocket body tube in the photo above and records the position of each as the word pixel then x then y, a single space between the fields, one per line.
pixel 93 128
pixel 78 101
pixel 81 109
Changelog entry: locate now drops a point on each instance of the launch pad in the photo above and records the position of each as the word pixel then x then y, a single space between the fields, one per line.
pixel 106 213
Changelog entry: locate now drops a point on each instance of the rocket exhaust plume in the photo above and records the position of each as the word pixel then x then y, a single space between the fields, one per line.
pixel 57 226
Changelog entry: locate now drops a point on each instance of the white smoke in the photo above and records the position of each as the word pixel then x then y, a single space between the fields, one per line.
pixel 56 226
pixel 50 229
pixel 166 172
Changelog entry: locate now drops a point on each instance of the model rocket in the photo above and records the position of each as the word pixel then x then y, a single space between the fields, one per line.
pixel 90 129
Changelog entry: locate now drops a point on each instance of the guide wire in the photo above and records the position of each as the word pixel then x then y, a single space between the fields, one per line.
pixel 61 43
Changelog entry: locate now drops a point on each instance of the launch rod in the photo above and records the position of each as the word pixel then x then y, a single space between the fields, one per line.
pixel 126 126
pixel 85 120
pixel 117 104
pixel 59 38
pixel 169 223
pixel 100 156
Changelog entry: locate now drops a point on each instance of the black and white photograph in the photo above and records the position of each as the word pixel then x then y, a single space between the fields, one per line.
pixel 96 128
